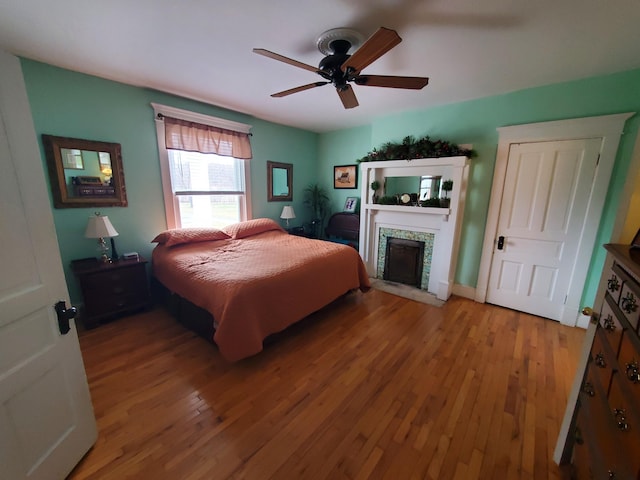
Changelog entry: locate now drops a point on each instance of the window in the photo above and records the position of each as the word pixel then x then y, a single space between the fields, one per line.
pixel 209 188
pixel 202 189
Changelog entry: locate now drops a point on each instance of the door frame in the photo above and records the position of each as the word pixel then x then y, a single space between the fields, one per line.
pixel 607 127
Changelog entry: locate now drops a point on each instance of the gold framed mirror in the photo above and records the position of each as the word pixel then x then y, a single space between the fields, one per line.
pixel 279 182
pixel 84 173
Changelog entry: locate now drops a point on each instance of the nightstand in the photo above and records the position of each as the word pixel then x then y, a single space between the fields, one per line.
pixel 110 289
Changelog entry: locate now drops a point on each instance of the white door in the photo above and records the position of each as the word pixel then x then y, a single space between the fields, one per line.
pixel 46 417
pixel 547 190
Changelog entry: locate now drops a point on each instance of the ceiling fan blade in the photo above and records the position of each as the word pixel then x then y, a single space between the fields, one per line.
pixel 377 45
pixel 290 61
pixel 302 88
pixel 392 81
pixel 348 97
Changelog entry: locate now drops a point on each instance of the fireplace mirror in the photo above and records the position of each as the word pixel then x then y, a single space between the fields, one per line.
pixel 425 186
pixel 84 173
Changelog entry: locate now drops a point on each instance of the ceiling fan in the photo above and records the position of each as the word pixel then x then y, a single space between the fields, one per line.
pixel 340 68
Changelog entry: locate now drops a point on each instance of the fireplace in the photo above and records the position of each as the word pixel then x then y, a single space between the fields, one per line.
pixel 403 261
pixel 413 262
pixel 437 228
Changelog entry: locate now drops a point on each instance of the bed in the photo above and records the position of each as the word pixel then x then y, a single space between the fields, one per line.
pixel 254 279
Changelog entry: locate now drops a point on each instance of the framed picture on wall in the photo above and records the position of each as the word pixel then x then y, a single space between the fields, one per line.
pixel 350 205
pixel 345 176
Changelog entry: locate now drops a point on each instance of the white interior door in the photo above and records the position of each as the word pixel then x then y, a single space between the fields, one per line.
pixel 547 190
pixel 46 418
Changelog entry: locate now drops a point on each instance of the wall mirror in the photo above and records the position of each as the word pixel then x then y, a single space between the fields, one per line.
pixel 279 182
pixel 425 186
pixel 84 173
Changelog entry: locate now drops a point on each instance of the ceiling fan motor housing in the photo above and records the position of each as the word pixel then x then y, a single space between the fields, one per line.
pixel 330 66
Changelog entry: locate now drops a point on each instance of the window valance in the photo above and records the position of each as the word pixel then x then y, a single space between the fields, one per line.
pixel 197 137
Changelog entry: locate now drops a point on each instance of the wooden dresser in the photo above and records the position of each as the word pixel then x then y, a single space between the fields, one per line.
pixel 606 432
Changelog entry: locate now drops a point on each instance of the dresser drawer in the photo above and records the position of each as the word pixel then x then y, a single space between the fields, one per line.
pixel 595 423
pixel 614 283
pixel 624 413
pixel 629 303
pixel 602 360
pixel 629 361
pixel 610 325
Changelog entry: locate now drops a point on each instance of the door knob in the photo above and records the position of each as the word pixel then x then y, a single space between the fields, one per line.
pixel 500 242
pixel 64 315
pixel 588 312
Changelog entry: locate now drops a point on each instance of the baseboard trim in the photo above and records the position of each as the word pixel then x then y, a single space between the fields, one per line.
pixel 464 291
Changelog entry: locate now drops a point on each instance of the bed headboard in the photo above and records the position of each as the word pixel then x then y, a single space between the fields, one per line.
pixel 344 225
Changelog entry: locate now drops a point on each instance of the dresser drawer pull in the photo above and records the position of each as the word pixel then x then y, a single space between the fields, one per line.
pixel 633 372
pixel 621 418
pixel 588 389
pixel 608 324
pixel 611 474
pixel 613 284
pixel 629 303
pixel 578 437
pixel 600 361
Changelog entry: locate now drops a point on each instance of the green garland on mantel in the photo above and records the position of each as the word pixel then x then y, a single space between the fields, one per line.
pixel 410 149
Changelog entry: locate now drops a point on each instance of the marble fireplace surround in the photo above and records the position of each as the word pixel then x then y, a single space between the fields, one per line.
pixel 443 223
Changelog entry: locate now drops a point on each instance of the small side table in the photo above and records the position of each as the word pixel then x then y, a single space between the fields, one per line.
pixel 110 289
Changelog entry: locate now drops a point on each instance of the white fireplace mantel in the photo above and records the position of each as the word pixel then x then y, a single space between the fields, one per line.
pixel 444 223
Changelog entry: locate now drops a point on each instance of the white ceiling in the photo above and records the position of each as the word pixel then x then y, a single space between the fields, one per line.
pixel 203 49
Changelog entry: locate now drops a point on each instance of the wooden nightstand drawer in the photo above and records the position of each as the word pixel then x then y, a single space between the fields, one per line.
pixel 116 281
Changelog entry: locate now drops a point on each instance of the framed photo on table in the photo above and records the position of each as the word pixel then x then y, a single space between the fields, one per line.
pixel 350 205
pixel 345 176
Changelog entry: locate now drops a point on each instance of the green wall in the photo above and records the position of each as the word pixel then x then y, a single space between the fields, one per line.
pixel 70 104
pixel 475 122
pixel 66 103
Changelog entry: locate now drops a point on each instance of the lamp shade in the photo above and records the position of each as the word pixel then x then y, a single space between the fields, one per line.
pixel 287 212
pixel 99 226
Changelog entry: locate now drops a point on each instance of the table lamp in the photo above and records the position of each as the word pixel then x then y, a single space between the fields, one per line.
pixel 100 227
pixel 287 213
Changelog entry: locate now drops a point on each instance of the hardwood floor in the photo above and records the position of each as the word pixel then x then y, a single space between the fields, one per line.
pixel 373 386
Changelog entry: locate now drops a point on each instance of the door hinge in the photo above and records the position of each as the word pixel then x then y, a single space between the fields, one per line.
pixel 565 298
pixel 598 160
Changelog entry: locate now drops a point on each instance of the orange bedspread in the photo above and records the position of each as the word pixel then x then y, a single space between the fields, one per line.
pixel 258 285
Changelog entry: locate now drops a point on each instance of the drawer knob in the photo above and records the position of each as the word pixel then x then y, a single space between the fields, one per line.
pixel 621 418
pixel 578 437
pixel 600 361
pixel 613 284
pixel 588 389
pixel 633 372
pixel 611 474
pixel 629 303
pixel 609 324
